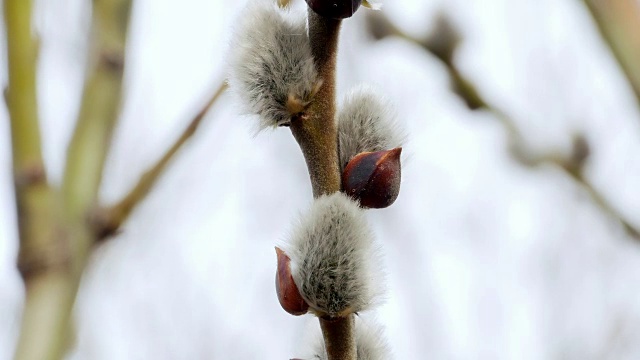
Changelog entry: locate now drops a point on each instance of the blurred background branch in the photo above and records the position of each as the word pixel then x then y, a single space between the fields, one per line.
pixel 42 259
pixel 442 44
pixel 619 24
pixel 100 108
pixel 20 96
pixel 57 247
pixel 109 220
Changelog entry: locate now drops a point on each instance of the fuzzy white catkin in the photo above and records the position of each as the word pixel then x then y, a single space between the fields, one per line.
pixel 334 261
pixel 370 343
pixel 271 62
pixel 366 122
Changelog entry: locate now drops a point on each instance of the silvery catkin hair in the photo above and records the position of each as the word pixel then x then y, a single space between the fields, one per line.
pixel 366 122
pixel 334 261
pixel 272 69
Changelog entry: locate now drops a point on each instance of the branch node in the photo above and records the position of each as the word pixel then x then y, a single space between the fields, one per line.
pixel 46 257
pixel 103 223
pixel 30 175
pixel 113 61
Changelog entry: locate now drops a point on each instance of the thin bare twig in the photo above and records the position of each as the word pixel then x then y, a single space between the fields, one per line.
pixel 109 220
pixel 573 166
pixel 380 27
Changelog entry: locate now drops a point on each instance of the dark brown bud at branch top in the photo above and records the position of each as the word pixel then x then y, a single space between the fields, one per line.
pixel 334 9
pixel 373 178
pixel 288 294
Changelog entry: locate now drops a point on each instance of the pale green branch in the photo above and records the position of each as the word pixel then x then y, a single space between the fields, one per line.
pixel 100 106
pixel 21 93
pixel 42 259
pixel 54 243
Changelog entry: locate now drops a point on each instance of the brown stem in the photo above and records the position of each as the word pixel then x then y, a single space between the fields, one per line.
pixel 339 338
pixel 108 221
pixel 315 131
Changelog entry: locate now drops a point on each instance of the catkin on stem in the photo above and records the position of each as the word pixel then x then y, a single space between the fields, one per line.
pixel 366 123
pixel 334 261
pixel 271 66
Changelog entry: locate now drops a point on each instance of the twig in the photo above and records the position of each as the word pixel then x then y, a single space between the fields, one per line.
pixel 21 93
pixel 619 24
pixel 573 167
pixel 381 27
pixel 109 220
pixel 100 107
pixel 339 337
pixel 42 260
pixel 60 239
pixel 315 131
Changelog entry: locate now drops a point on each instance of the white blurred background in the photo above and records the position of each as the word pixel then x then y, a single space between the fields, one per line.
pixel 487 256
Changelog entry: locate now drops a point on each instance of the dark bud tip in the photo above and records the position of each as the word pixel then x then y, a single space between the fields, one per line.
pixel 334 9
pixel 288 294
pixel 373 178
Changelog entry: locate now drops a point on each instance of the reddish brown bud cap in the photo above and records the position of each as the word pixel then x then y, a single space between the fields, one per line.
pixel 373 178
pixel 334 9
pixel 288 294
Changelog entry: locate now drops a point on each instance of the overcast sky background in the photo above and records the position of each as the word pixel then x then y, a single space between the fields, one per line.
pixel 485 258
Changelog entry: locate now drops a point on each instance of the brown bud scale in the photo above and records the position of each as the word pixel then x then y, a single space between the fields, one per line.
pixel 373 178
pixel 288 293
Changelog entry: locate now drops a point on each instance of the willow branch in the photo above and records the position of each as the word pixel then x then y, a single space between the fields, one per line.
pixel 42 261
pixel 100 106
pixel 573 165
pixel 619 24
pixel 62 237
pixel 339 337
pixel 111 219
pixel 21 94
pixel 315 131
